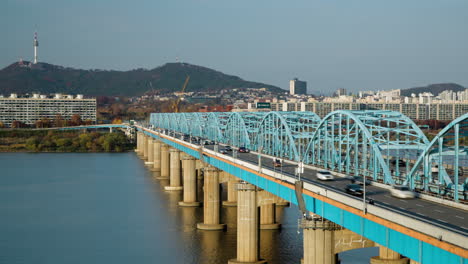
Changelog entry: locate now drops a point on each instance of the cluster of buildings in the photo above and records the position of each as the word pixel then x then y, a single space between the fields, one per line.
pixel 447 106
pixel 29 109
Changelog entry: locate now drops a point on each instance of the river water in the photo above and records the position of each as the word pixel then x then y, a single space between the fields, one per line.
pixel 108 208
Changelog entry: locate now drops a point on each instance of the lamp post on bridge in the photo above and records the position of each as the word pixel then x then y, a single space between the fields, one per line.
pixel 260 149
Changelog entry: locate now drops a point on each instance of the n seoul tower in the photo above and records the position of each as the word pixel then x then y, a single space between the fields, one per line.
pixel 35 44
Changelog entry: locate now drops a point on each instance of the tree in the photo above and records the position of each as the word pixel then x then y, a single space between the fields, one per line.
pixel 59 121
pixel 117 121
pixel 76 120
pixel 18 124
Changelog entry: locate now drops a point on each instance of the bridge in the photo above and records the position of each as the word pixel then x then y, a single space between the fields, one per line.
pixel 382 147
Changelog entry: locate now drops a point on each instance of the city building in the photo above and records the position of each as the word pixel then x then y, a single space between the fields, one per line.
pixel 30 109
pixel 297 87
pixel 415 111
pixel 341 91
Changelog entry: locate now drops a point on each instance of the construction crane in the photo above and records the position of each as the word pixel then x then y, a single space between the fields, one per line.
pixel 175 105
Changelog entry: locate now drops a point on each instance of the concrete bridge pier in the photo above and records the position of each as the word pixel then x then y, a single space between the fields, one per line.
pixel 190 182
pixel 211 203
pixel 266 202
pixel 199 165
pixel 157 156
pixel 281 202
pixel 231 191
pixel 247 225
pixel 174 175
pixel 149 163
pixel 139 149
pixel 164 162
pixel 319 241
pixel 145 147
pixel 388 256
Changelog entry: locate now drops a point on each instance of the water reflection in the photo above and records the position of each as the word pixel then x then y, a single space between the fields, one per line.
pixel 108 208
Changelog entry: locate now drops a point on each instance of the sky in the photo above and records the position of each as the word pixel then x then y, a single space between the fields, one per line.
pixel 331 44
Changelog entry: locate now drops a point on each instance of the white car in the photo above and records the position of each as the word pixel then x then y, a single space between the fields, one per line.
pixel 325 176
pixel 403 192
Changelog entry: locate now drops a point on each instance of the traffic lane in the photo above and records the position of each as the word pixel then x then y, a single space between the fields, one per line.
pixel 415 207
pixel 452 217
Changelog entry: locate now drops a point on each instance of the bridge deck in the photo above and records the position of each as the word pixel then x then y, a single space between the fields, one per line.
pixel 424 231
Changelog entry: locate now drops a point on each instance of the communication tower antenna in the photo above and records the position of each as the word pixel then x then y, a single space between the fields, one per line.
pixel 35 45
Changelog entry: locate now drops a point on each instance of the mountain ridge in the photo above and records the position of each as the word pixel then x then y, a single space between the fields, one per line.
pixel 49 78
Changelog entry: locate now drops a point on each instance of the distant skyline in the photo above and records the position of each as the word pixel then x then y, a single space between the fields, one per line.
pixel 331 44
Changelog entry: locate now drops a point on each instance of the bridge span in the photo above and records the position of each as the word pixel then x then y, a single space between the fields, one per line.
pixel 384 147
pixel 415 230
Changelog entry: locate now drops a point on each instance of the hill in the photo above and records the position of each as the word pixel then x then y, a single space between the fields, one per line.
pixel 47 78
pixel 435 89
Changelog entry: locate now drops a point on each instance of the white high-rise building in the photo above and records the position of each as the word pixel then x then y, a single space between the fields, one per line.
pixel 297 87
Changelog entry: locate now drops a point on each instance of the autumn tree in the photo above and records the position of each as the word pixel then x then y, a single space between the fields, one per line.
pixel 76 120
pixel 59 121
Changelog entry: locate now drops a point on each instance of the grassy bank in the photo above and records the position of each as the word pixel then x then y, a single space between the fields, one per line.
pixel 63 141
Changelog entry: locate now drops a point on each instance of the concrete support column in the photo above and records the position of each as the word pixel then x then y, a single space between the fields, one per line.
pixel 164 162
pixel 247 225
pixel 231 191
pixel 145 147
pixel 174 175
pixel 211 203
pixel 319 241
pixel 140 144
pixel 157 155
pixel 190 182
pixel 137 149
pixel 281 202
pixel 268 216
pixel 150 152
pixel 200 166
pixel 266 201
pixel 388 256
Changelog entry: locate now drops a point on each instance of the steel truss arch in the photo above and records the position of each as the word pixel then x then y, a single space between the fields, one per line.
pixel 215 125
pixel 236 133
pixel 364 143
pixel 431 161
pixel 275 137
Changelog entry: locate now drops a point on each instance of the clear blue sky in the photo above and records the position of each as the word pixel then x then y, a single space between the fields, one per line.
pixel 355 44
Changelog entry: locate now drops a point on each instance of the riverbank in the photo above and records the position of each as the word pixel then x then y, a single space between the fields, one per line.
pixel 63 141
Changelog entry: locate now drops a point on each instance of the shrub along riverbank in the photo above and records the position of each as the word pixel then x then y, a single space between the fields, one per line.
pixel 63 141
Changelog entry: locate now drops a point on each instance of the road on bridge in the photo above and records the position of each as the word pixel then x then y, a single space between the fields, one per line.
pixel 438 214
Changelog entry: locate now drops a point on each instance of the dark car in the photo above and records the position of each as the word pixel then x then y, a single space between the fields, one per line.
pixel 359 180
pixel 354 189
pixel 244 150
pixel 277 163
pixel 228 148
pixel 223 151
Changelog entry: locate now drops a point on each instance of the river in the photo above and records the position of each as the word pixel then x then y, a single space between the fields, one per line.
pixel 69 208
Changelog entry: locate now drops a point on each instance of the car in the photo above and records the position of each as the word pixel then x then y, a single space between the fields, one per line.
pixel 223 151
pixel 325 175
pixel 402 191
pixel 228 148
pixel 401 163
pixel 359 180
pixel 244 150
pixel 206 142
pixel 277 163
pixel 354 189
